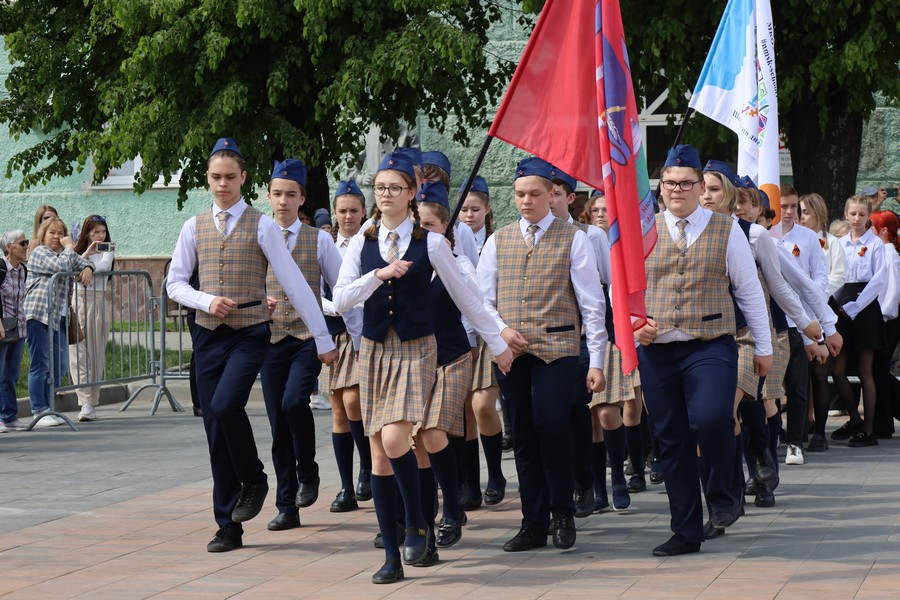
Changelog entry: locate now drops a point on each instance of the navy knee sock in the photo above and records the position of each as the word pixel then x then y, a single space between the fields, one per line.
pixel 406 471
pixel 635 443
pixel 774 431
pixel 362 445
pixel 473 467
pixel 443 464
pixel 429 496
pixel 753 425
pixel 598 465
pixel 458 445
pixel 384 493
pixel 615 448
pixel 493 456
pixel 343 456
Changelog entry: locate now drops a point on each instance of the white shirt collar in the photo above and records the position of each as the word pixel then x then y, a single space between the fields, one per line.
pixel 543 224
pixel 403 231
pixel 235 211
pixel 692 219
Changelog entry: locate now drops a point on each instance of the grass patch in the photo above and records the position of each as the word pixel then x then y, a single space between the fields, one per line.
pixel 122 360
pixel 135 326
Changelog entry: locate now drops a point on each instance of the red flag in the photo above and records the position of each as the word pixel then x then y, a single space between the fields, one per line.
pixel 576 109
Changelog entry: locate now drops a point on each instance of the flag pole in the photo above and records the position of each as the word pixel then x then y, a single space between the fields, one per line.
pixel 684 120
pixel 468 185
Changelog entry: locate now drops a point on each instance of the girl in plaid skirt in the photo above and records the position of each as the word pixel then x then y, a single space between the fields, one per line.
pixel 390 269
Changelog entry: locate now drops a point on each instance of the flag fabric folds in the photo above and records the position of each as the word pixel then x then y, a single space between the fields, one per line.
pixel 738 88
pixel 576 109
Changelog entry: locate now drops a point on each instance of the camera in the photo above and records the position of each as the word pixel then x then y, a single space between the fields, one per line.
pixel 891 192
pixel 106 246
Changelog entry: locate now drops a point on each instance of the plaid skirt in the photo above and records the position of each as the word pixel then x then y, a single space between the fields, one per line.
pixel 619 387
pixel 781 352
pixel 445 411
pixel 395 378
pixel 483 373
pixel 747 380
pixel 343 373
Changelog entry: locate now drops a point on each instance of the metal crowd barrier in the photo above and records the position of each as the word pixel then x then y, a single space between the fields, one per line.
pixel 181 369
pixel 105 356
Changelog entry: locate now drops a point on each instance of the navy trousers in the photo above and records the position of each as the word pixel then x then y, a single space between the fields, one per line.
pixel 796 385
pixel 288 378
pixel 227 362
pixel 540 401
pixel 582 429
pixel 689 392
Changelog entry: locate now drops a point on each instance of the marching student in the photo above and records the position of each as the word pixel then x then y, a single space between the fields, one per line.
pixel 688 356
pixel 390 269
pixel 436 168
pixel 233 244
pixel 540 281
pixel 292 366
pixel 342 378
pixel 860 320
pixel 884 225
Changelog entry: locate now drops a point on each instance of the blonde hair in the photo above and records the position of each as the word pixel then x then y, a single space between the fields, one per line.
pixel 38 215
pixel 864 200
pixel 816 204
pixel 839 228
pixel 42 230
pixel 730 194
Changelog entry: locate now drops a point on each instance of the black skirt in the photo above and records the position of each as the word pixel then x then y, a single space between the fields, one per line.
pixel 867 331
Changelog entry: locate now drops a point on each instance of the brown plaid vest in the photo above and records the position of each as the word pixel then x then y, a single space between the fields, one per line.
pixel 534 291
pixel 690 292
pixel 234 267
pixel 286 321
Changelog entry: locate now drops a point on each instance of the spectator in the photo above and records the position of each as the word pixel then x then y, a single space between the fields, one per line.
pixel 44 212
pixel 55 254
pixel 87 358
pixel 12 291
pixel 890 200
pixel 323 220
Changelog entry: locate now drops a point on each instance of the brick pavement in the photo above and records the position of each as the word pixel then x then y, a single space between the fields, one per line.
pixel 122 510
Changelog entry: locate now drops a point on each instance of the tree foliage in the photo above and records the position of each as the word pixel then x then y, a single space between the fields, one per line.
pixel 107 80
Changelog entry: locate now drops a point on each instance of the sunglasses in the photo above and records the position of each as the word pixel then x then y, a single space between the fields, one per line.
pixel 98 219
pixel 23 243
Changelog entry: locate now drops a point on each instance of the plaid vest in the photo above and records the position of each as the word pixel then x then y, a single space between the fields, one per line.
pixel 534 290
pixel 690 291
pixel 234 267
pixel 286 321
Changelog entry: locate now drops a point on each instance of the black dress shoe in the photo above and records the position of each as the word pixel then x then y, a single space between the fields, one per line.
pixel 507 443
pixel 764 496
pixel 226 539
pixel 250 501
pixel 656 474
pixel 494 495
pixel 528 537
pixel 817 443
pixel 751 488
pixel 765 470
pixel 308 493
pixel 401 536
pixel 637 484
pixel 845 431
pixel 430 559
pixel 584 502
pixel 450 530
pixel 364 485
pixel 415 546
pixel 388 573
pixel 198 412
pixel 710 532
pixel 564 533
pixel 284 521
pixel 344 502
pixel 862 440
pixel 722 519
pixel 676 546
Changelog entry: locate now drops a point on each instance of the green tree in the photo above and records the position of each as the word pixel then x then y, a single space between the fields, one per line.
pixel 831 59
pixel 108 80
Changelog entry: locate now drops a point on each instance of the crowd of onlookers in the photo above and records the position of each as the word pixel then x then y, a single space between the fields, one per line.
pixel 68 319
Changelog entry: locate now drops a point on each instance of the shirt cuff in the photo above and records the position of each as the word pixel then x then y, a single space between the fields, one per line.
pixel 851 309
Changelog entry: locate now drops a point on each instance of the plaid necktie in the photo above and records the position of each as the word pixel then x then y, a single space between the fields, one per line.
pixel 529 237
pixel 345 243
pixel 681 241
pixel 287 235
pixel 393 248
pixel 222 217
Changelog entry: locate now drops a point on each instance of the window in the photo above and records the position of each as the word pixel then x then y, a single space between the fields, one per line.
pixel 122 178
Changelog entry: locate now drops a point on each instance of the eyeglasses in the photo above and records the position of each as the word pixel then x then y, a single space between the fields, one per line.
pixel 684 186
pixel 391 191
pixel 23 243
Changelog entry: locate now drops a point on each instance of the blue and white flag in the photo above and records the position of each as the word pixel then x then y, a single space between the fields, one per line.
pixel 738 89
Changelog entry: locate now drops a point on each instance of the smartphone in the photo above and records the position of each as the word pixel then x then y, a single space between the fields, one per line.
pixel 106 246
pixel 891 192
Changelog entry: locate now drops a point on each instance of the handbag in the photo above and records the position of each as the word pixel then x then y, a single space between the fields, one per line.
pixel 74 330
pixel 11 326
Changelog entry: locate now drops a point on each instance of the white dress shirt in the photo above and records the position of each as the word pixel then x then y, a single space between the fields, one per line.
pixel 599 241
pixel 583 274
pixel 353 318
pixel 889 298
pixel 480 238
pixel 271 242
pixel 741 271
pixel 354 287
pixel 465 243
pixel 809 253
pixel 870 267
pixel 814 300
pixel 835 263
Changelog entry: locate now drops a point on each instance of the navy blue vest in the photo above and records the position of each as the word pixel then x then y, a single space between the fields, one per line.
pixel 451 337
pixel 336 325
pixel 610 328
pixel 399 302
